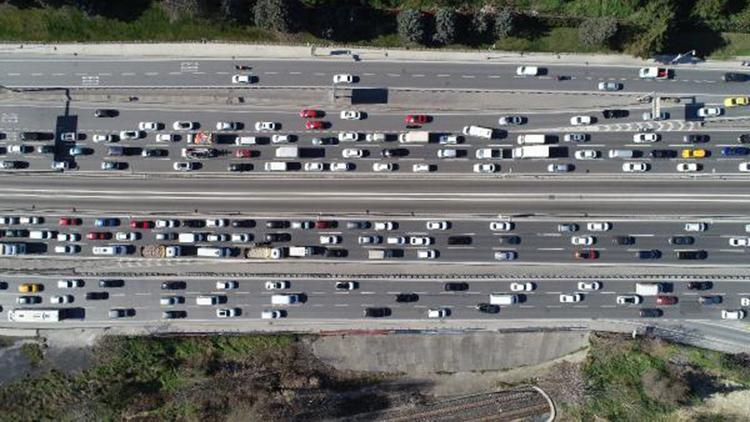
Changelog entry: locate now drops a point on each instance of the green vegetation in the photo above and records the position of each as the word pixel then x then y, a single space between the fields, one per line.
pixel 33 353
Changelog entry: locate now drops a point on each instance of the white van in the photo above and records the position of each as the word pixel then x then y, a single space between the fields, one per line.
pixel 245 140
pixel 276 166
pixel 207 300
pixel 213 252
pixel 647 289
pixel 42 234
pixel 191 237
pixel 503 299
pixel 621 153
pixel 284 299
pixel 478 131
pixel 532 139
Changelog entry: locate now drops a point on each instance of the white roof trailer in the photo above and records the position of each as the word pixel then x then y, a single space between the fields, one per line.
pixel 35 315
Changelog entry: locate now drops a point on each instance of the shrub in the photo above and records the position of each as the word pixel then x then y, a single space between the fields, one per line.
pixel 597 31
pixel 411 26
pixel 446 23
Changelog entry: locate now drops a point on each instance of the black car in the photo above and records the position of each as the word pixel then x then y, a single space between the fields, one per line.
pixel 97 296
pixel 278 237
pixel 106 112
pixel 45 149
pixel 154 152
pixel 173 285
pixel 3 285
pixel 648 254
pixel 663 153
pixel 744 138
pixel 358 225
pixel 243 223
pixel 16 233
pixel 277 224
pixel 650 313
pixel 394 152
pixel 407 297
pixel 696 138
pixel 456 287
pixel 173 314
pixel 700 285
pixel 710 300
pixel 121 313
pixel 196 224
pixel 111 283
pixel 734 77
pixel 240 167
pixel 508 240
pixel 459 240
pixel 36 136
pixel 335 253
pixel 692 254
pixel 623 240
pixel 615 113
pixel 377 312
pixel 682 240
pixel 487 308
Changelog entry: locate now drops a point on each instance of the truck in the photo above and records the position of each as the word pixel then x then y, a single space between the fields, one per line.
pixel 536 151
pixel 376 253
pixel 35 315
pixel 300 251
pixel 647 289
pixel 413 137
pixel 199 153
pixel 161 251
pixel 287 152
pixel 191 237
pixel 265 252
pixel 653 73
pixel 201 138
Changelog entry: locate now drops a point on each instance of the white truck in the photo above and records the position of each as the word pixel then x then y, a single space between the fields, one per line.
pixel 414 137
pixel 535 151
pixel 287 152
pixel 300 251
pixel 647 289
pixel 653 73
pixel 35 315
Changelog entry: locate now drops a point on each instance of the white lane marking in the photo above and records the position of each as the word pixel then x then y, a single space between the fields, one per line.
pixel 443 75
pixel 270 73
pixel 468 76
pixel 394 75
pixel 151 73
pixel 127 74
pixel 295 73
pixel 417 75
pixel 14 74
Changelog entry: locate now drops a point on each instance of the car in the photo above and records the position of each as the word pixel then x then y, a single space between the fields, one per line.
pixel 485 168
pixel 348 136
pixel 149 126
pixel 487 308
pixel 346 285
pixel 114 165
pixel 282 224
pixel 527 71
pixel 343 78
pixel 650 313
pixel 28 300
pixel 695 227
pixel 663 153
pixel 629 300
pixel 739 241
pixel 61 299
pixel 184 125
pixel 340 167
pixel 421 168
pixel 370 240
pixel 611 113
pixel 501 226
pixel 447 153
pixel 572 298
pixel 505 255
pixel 141 224
pixel 560 168
pixel 693 153
pixel 599 226
pixel 106 112
pixel 30 287
pixel 20 149
pixel 173 285
pixel 634 167
pixel 240 238
pixel 227 312
pixel 666 300
pixel 420 240
pixel 589 285
pixel 239 167
pixel 69 221
pixel 582 240
pixel 649 116
pixel 68 136
pixel 648 254
pixel 273 314
pixel 376 312
pixel 688 167
pixel 735 151
pixel 710 111
pixel 242 79
pixel 609 86
pixel 587 154
pixel 10 164
pixel 744 138
pixel 310 113
pixel 416 119
pixel 383 167
pixel 681 240
pixel 654 73
pixel 120 313
pixel 693 255
pixel 744 167
pixel 396 240
pixel 173 314
pixel 314 125
pixel 68 237
pixel 407 297
pixel 111 282
pixel 586 254
pixel 313 166
pixel 131 134
pixel 522 287
pixel 277 285
pixel 642 138
pixel 438 313
pixel 166 137
pixel 511 120
pixel 97 296
pixel 350 115
pixel 450 139
pixel 567 227
pixel 385 225
pixel 710 300
pixel 154 152
pixel 700 285
pixel 576 137
pixel 70 284
pixel 508 240
pixel 438 225
pixel 99 236
pixel 217 222
pixel 581 120
pixel 266 126
pixel 226 126
pixel 165 236
pixel 186 166
pixel 353 153
pixel 227 285
pixel 394 152
pixel 696 138
pixel 166 224
pixel 330 240
pixel 375 137
pixel 361 225
pixel 106 222
pixel 103 138
pixel 733 314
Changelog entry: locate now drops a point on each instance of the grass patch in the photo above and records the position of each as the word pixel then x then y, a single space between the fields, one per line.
pixel 556 40
pixel 737 44
pixel 33 353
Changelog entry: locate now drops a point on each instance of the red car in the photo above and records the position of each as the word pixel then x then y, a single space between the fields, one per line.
pixel 243 153
pixel 309 114
pixel 141 224
pixel 324 224
pixel 69 221
pixel 666 300
pixel 99 235
pixel 314 124
pixel 416 119
pixel 587 254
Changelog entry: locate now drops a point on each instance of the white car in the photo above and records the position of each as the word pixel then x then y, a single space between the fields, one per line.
pixel 438 225
pixel 226 126
pixel 217 237
pixel 710 111
pixel 560 168
pixel 382 167
pixel 69 284
pixel 587 154
pixel 629 300
pixel 421 168
pixel 384 225
pixel 744 167
pixel 227 312
pixel 589 285
pixel 352 153
pixel 19 149
pixel 609 86
pixel 738 314
pixel 501 226
pixel 343 78
pixel 348 136
pixel 340 167
pixel 647 115
pixel 281 139
pixel 505 255
pixel 330 240
pixel 217 222
pixel 582 240
pixel 272 314
pixel 447 153
pixel 314 166
pixel 438 313
pixel 449 139
pixel 485 168
pixel 643 138
pixel 511 120
pixel 599 226
pixel 695 227
pixel 166 224
pixel 687 167
pixel 149 126
pixel 103 138
pixel 574 298
pixel 522 287
pixel 375 137
pixel 241 79
pixel 266 126
pixel 739 241
pixel 226 285
pixel 581 120
pixel 633 167
pixel 131 134
pixel 61 299
pixel 185 166
pixel 165 137
pixel 67 249
pixel 396 240
pixel 350 115
pixel 576 137
pixel 277 285
pixel 127 236
pixel 183 125
pixel 427 254
pixel 240 238
pixel 370 240
pixel 68 237
pixel 527 70
pixel 420 240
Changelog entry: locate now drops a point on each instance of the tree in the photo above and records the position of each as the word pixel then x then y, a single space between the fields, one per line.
pixel 659 16
pixel 597 31
pixel 276 15
pixel 183 9
pixel 446 21
pixel 483 26
pixel 504 23
pixel 234 10
pixel 411 26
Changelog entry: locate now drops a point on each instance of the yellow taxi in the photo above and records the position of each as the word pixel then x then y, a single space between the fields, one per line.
pixel 736 101
pixel 30 288
pixel 693 153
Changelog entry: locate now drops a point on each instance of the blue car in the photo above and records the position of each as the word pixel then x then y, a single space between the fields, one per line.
pixel 106 222
pixel 734 151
